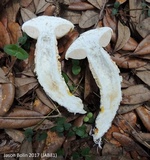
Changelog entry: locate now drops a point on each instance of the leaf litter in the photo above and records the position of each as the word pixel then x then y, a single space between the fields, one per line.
pixel 24 105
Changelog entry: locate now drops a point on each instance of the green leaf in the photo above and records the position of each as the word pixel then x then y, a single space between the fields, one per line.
pixel 41 136
pixel 76 69
pixel 75 156
pixel 61 120
pixel 59 128
pixel 60 152
pixel 85 151
pixel 80 132
pixel 90 115
pixel 67 126
pixel 66 78
pixel 149 12
pixel 116 5
pixel 114 11
pixel 75 62
pixel 22 40
pixel 28 134
pixel 70 133
pixel 86 119
pixel 15 50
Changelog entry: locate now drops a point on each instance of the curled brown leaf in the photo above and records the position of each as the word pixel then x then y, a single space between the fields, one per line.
pixel 7 93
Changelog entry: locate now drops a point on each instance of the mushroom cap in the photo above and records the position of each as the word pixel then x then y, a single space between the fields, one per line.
pixel 80 47
pixel 56 25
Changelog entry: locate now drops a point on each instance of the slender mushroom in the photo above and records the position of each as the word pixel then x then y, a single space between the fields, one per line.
pixel 47 29
pixel 105 73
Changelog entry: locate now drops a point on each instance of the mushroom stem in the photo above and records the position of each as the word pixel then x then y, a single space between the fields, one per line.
pixel 48 69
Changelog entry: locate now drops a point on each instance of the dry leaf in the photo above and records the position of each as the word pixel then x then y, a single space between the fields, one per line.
pixel 9 147
pixel 144 76
pixel 53 142
pixel 80 6
pixel 111 149
pixel 144 27
pixel 72 16
pixel 109 136
pixel 88 19
pixel 123 36
pixel 38 106
pixel 130 45
pixel 129 144
pixel 14 30
pixel 144 115
pixel 25 3
pixel 16 135
pixel 4 36
pixel 135 94
pixel 127 108
pixel 7 93
pixel 127 62
pixel 26 149
pixel 97 3
pixel 26 14
pixel 42 5
pixel 21 119
pixel 43 97
pixel 126 122
pixel 143 47
pixel 12 10
pixel 127 80
pixel 110 21
pixel 121 1
pixel 49 11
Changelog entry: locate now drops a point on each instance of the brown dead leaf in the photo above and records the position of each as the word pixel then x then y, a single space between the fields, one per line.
pixel 14 30
pixel 123 36
pixel 4 36
pixel 80 6
pixel 53 142
pixel 24 85
pixel 16 135
pixel 127 80
pixel 127 62
pixel 72 16
pixel 143 47
pixel 127 108
pixel 144 76
pixel 97 3
pixel 129 144
pixel 43 97
pixel 144 27
pixel 9 147
pixel 38 106
pixel 26 14
pixel 25 3
pixel 110 21
pixel 130 45
pixel 144 115
pixel 26 149
pixel 3 77
pixel 12 10
pixel 88 19
pixel 135 94
pixel 7 93
pixel 19 118
pixel 126 122
pixel 109 136
pixel 42 5
pixel 49 11
pixel 111 149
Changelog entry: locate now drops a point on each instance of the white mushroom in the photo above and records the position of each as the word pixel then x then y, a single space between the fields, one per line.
pixel 46 30
pixel 105 73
